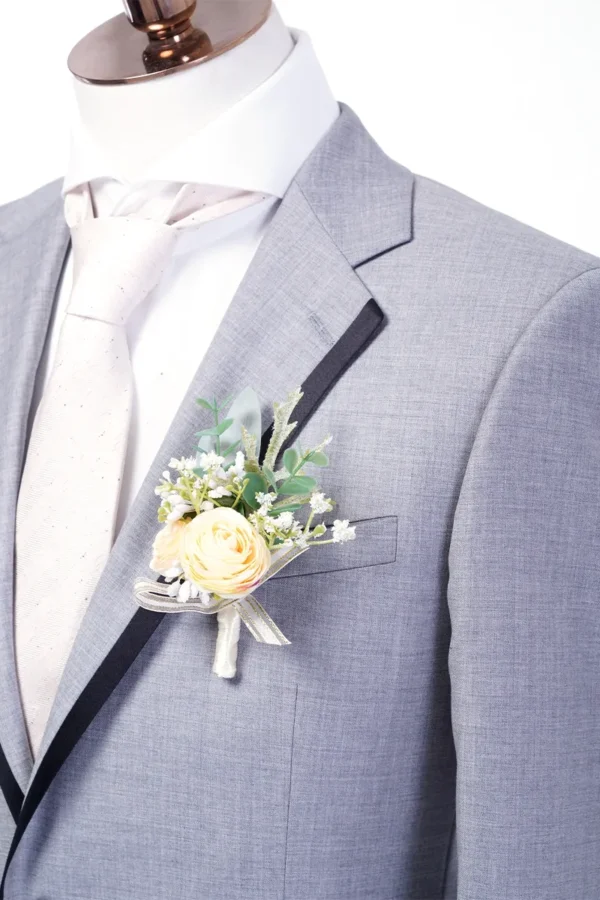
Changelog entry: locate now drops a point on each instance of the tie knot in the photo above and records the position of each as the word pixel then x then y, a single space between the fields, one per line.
pixel 117 261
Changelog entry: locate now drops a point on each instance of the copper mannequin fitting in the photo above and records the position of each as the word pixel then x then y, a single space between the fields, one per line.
pixel 166 35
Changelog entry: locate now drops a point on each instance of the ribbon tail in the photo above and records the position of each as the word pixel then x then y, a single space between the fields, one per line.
pixel 259 623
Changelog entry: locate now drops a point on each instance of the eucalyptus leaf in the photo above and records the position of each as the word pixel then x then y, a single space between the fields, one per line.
pixel 232 449
pixel 299 484
pixel 270 476
pixel 289 507
pixel 256 484
pixel 291 460
pixel 297 500
pixel 216 430
pixel 318 458
pixel 205 404
pixel 226 402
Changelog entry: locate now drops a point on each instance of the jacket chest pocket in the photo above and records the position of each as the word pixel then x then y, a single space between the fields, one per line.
pixel 368 669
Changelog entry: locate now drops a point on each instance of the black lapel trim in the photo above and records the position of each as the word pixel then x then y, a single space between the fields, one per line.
pixel 144 623
pixel 10 788
pixel 89 703
pixel 324 376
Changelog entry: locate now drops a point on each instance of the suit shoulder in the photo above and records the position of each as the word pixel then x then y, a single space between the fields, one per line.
pixel 496 236
pixel 18 215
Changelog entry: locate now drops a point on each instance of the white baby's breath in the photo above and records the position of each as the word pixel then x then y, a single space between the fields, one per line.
pixel 185 464
pixel 218 492
pixel 210 461
pixel 285 521
pixel 319 504
pixel 342 531
pixel 238 469
pixel 179 510
pixel 186 590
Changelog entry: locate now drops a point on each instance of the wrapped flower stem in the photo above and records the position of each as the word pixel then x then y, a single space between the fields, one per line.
pixel 228 636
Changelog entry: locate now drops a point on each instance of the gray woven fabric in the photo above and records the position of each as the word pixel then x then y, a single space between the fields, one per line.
pixel 432 731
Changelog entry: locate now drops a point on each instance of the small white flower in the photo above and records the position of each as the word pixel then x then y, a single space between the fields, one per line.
pixel 238 468
pixel 218 492
pixel 265 500
pixel 185 464
pixel 179 510
pixel 205 599
pixel 210 461
pixel 174 588
pixel 343 531
pixel 185 589
pixel 206 506
pixel 319 504
pixel 285 520
pixel 166 475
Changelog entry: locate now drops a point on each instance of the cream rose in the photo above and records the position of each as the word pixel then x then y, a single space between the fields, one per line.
pixel 222 553
pixel 167 547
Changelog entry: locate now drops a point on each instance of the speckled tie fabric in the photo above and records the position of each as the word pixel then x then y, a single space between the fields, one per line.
pixel 71 480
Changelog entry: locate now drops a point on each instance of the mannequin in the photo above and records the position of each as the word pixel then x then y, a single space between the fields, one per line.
pixel 137 121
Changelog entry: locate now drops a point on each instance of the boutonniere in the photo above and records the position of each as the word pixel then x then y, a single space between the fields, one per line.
pixel 231 522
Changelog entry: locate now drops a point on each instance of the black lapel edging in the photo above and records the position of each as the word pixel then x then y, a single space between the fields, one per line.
pixel 91 700
pixel 10 787
pixel 327 373
pixel 144 623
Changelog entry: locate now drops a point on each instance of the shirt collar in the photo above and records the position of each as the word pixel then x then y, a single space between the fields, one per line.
pixel 278 125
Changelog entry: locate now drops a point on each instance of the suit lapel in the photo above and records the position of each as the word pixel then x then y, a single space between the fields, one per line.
pixel 31 260
pixel 301 311
pixel 298 298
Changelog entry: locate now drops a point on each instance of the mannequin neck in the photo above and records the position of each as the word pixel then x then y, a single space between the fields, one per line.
pixel 134 124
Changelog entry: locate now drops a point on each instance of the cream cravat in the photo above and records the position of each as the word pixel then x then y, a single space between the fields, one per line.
pixel 70 486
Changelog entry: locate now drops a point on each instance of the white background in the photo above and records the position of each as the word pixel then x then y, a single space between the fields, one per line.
pixel 498 98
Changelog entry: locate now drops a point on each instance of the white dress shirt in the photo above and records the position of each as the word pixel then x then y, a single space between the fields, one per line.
pixel 243 162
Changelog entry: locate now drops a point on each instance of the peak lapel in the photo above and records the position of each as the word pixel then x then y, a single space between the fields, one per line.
pixel 31 260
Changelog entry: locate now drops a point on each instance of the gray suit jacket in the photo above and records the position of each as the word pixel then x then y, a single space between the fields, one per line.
pixel 433 729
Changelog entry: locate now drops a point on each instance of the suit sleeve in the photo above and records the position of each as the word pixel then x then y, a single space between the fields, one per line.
pixel 524 599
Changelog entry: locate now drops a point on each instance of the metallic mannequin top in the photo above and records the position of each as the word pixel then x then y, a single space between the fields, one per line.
pixel 166 35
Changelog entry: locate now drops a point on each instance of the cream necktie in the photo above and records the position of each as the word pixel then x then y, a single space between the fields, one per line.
pixel 70 486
